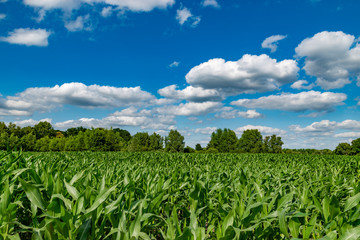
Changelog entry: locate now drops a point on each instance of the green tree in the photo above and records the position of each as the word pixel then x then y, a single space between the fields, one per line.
pixel 198 147
pixel 42 144
pixel 188 149
pixel 344 149
pixel 4 140
pixel 356 145
pixel 57 144
pixel 3 127
pixel 28 142
pixel 14 130
pixel 251 141
pixel 272 144
pixel 156 142
pixel 123 133
pixel 223 140
pixel 43 129
pixel 26 130
pixel 140 142
pixel 74 131
pixel 95 139
pixel 14 141
pixel 174 142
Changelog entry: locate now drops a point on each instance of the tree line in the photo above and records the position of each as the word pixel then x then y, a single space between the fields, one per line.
pixel 43 137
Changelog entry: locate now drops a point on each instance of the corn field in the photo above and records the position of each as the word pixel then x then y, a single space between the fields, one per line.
pixel 92 195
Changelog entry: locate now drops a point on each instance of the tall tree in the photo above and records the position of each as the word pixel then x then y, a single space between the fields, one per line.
pixel 356 145
pixel 43 129
pixel 251 141
pixel 123 133
pixel 174 142
pixel 272 144
pixel 223 140
pixel 139 142
pixel 344 149
pixel 156 142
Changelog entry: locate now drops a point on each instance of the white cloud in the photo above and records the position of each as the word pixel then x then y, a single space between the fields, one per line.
pixel 174 64
pixel 2 16
pixel 206 131
pixel 28 37
pixel 332 57
pixel 51 4
pixel 298 102
pixel 348 135
pixel 272 42
pixel 324 133
pixel 31 122
pixel 189 109
pixel 184 15
pixel 328 127
pixel 81 23
pixel 230 113
pixel 210 3
pixel 324 126
pixel 249 74
pixel 131 5
pixel 263 129
pixel 106 11
pixel 10 112
pixel 129 117
pixel 77 94
pixel 194 94
pixel 302 84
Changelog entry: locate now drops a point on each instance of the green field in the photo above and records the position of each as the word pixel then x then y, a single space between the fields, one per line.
pixel 87 195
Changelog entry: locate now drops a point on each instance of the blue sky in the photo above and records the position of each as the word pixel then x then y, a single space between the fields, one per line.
pixel 285 67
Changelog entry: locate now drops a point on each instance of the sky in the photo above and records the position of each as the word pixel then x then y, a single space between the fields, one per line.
pixel 284 67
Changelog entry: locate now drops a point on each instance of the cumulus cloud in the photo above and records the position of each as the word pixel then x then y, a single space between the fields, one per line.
pixel 184 15
pixel 131 5
pixel 129 117
pixel 194 94
pixel 2 16
pixel 189 109
pixel 298 102
pixel 324 131
pixel 302 84
pixel 206 131
pixel 332 57
pixel 81 23
pixel 29 37
pixel 51 4
pixel 31 122
pixel 249 74
pixel 263 129
pixel 328 127
pixel 230 113
pixel 324 126
pixel 210 3
pixel 348 135
pixel 272 42
pixel 76 94
pixel 106 11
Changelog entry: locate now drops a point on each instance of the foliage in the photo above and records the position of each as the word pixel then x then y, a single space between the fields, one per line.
pixel 344 149
pixel 224 140
pixel 92 195
pixel 251 141
pixel 273 144
pixel 198 147
pixel 174 142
